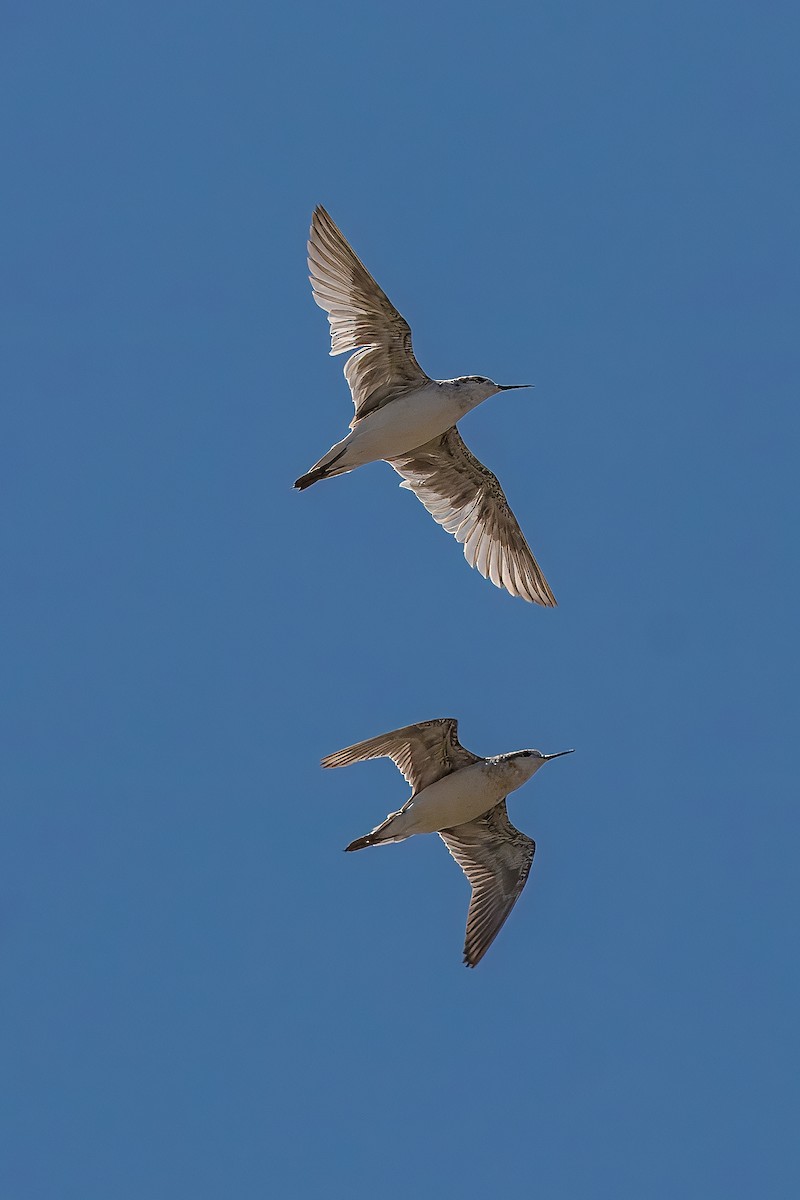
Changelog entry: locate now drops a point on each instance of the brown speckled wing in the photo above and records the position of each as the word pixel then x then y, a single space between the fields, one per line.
pixel 496 859
pixel 423 753
pixel 362 318
pixel 466 499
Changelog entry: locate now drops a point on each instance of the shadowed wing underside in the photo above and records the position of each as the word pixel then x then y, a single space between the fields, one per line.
pixel 422 753
pixel 362 318
pixel 496 859
pixel 467 500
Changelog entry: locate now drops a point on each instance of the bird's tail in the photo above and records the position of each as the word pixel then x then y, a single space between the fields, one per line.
pixel 323 468
pixel 305 481
pixel 362 842
pixel 381 835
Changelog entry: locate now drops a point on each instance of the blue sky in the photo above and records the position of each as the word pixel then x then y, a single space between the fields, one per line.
pixel 202 996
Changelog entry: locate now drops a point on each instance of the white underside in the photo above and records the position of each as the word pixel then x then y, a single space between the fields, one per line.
pixel 401 425
pixel 458 797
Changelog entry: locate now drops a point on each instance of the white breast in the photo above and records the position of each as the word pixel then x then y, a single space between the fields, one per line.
pixel 456 798
pixel 404 424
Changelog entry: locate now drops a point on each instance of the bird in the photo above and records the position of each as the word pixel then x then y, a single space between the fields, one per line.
pixel 409 420
pixel 462 797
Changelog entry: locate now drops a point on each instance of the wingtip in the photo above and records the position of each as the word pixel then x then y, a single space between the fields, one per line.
pixel 546 600
pixel 541 593
pixel 337 759
pixel 321 216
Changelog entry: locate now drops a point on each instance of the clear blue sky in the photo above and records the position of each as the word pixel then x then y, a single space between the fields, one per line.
pixel 202 995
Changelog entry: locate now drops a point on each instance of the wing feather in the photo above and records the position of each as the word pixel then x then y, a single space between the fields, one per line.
pixel 466 499
pixel 362 318
pixel 422 753
pixel 496 859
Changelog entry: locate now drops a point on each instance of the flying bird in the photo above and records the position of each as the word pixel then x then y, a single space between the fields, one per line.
pixel 462 797
pixel 410 420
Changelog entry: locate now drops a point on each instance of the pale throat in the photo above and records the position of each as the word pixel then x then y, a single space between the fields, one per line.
pixel 463 396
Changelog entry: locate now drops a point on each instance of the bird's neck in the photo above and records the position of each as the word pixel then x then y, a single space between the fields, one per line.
pixel 464 396
pixel 509 771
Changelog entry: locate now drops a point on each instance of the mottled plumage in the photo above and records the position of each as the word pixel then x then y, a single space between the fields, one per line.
pixel 465 498
pixel 362 318
pixel 462 797
pixel 407 419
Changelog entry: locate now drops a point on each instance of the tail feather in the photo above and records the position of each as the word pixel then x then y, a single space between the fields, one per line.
pixel 322 469
pixel 313 476
pixel 361 843
pixel 381 835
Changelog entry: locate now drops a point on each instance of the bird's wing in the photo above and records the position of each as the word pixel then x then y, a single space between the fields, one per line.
pixel 496 859
pixel 423 753
pixel 362 318
pixel 465 498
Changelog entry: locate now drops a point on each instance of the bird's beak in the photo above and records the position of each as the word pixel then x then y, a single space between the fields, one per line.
pixel 559 754
pixel 511 387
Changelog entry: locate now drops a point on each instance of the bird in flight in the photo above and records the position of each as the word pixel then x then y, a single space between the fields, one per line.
pixel 409 420
pixel 462 797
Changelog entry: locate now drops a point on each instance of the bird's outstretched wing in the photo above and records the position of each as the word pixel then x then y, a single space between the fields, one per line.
pixel 423 753
pixel 362 318
pixel 467 500
pixel 496 859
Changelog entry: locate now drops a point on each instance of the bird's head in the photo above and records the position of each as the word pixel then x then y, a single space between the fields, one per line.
pixel 478 388
pixel 528 762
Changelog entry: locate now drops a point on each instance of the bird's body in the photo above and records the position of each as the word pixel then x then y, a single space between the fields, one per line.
pixel 407 419
pixel 462 797
pixel 386 433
